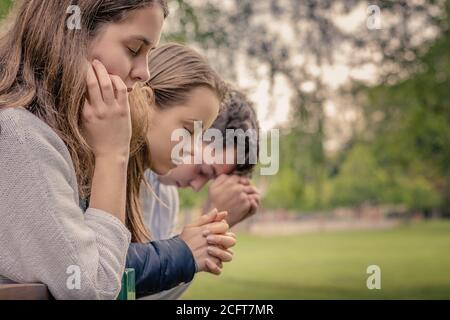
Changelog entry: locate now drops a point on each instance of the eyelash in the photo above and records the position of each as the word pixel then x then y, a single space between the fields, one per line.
pixel 133 53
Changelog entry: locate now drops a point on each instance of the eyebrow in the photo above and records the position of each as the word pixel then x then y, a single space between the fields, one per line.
pixel 146 41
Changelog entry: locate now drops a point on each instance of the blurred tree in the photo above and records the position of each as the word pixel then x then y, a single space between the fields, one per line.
pixel 360 179
pixel 4 7
pixel 297 40
pixel 410 122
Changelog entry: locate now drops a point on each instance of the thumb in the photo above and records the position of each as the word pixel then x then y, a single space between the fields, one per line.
pixel 221 216
pixel 205 219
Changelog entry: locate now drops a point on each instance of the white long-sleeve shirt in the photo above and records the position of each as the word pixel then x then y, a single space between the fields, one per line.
pixel 44 235
pixel 160 217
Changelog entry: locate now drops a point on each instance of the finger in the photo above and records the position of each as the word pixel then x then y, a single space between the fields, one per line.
pixel 256 198
pixel 251 190
pixel 216 261
pixel 93 88
pixel 213 268
pixel 223 255
pixel 221 216
pixel 221 241
pixel 205 219
pixel 242 200
pixel 221 227
pixel 120 90
pixel 253 209
pixel 220 179
pixel 245 181
pixel 233 180
pixel 231 234
pixel 104 81
pixel 236 188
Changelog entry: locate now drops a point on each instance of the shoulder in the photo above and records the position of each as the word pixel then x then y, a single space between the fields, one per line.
pixel 25 126
pixel 25 135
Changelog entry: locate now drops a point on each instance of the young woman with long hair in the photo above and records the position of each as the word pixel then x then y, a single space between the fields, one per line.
pixel 66 131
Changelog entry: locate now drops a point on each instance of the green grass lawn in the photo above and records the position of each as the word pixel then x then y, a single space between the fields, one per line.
pixel 414 261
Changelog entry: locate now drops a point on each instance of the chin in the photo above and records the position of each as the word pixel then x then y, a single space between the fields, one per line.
pixel 166 180
pixel 163 171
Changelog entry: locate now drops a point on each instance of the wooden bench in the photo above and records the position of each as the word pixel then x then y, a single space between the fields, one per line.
pixel 24 292
pixel 40 291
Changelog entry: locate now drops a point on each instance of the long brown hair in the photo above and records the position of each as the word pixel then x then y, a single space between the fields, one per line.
pixel 41 70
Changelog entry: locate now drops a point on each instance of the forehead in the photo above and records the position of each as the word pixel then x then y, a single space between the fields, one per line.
pixel 202 105
pixel 145 23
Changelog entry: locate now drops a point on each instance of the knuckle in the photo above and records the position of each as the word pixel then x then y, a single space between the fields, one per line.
pixel 121 89
pixel 101 115
pixel 106 87
pixel 122 112
pixel 91 84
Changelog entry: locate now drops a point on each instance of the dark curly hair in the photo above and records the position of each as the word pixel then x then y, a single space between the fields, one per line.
pixel 238 113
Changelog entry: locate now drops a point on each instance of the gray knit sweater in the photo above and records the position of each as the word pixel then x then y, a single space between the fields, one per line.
pixel 44 235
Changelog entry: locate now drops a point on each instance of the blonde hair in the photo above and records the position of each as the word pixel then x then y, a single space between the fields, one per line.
pixel 175 70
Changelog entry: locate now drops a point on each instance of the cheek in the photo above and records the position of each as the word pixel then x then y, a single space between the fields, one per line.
pixel 115 61
pixel 163 144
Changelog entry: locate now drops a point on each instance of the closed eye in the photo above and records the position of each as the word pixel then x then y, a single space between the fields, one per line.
pixel 133 52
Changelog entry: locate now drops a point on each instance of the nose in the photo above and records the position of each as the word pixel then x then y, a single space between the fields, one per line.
pixel 140 70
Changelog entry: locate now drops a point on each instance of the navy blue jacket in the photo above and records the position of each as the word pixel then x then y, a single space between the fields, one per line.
pixel 160 265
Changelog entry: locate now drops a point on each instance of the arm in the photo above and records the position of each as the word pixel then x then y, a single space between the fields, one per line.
pixel 109 185
pixel 43 231
pixel 107 128
pixel 160 265
pixel 160 217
